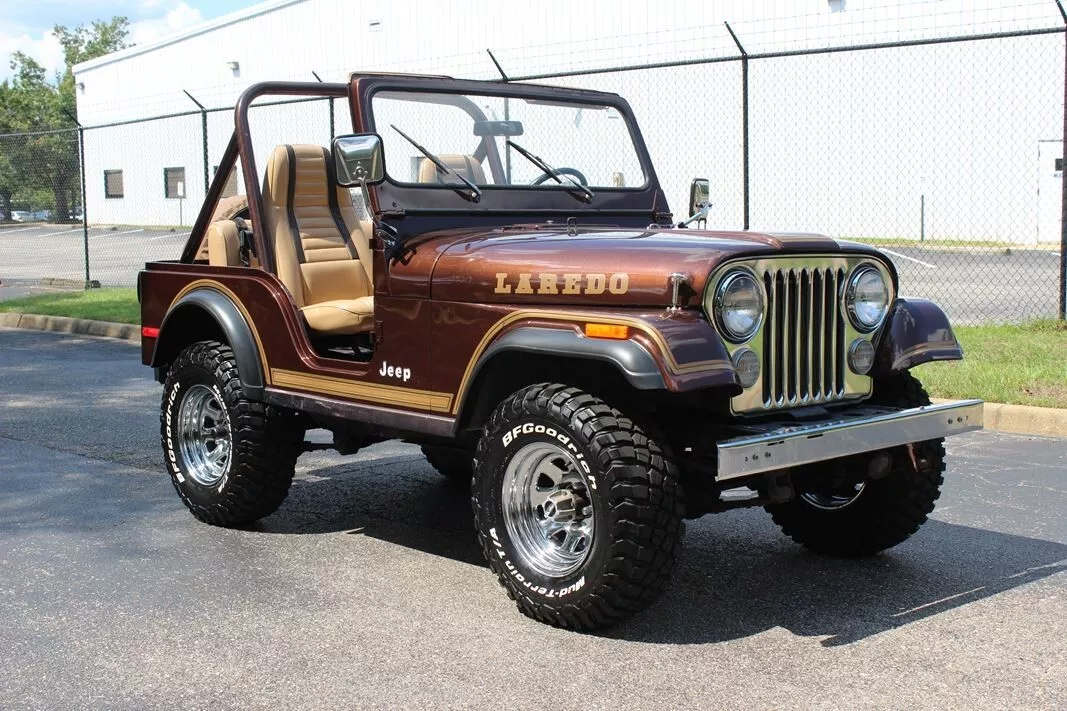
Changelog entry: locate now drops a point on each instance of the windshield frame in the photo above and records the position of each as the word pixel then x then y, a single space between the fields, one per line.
pixel 546 198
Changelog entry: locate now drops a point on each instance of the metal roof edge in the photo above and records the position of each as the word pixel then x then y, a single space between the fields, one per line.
pixel 204 27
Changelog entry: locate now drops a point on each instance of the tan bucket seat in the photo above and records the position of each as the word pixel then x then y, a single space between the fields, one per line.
pixel 321 247
pixel 465 165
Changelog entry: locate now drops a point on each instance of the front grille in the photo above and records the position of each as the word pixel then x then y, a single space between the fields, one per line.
pixel 804 337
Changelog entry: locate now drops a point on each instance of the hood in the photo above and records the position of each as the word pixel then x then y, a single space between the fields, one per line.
pixel 592 266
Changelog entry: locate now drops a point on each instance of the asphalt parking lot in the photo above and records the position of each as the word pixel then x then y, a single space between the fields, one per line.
pixel 366 589
pixel 972 285
pixel 116 253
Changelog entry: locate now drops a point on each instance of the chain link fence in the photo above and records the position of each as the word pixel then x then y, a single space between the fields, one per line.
pixel 945 153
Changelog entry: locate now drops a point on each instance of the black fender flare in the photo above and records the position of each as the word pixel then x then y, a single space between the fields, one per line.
pixel 631 359
pixel 918 332
pixel 235 329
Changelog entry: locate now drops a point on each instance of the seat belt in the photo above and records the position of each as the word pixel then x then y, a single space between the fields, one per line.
pixel 246 246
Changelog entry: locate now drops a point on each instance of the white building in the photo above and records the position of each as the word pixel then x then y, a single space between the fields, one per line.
pixel 850 144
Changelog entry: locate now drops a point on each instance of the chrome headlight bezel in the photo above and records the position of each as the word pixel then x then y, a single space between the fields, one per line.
pixel 854 317
pixel 717 310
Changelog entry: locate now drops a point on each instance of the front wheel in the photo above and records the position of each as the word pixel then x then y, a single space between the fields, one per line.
pixel 841 511
pixel 230 459
pixel 578 511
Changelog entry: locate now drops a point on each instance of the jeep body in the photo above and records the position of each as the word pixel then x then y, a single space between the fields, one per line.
pixel 546 331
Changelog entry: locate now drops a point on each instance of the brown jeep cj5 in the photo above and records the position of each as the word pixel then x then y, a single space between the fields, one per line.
pixel 490 270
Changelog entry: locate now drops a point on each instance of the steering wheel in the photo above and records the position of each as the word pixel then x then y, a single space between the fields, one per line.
pixel 573 172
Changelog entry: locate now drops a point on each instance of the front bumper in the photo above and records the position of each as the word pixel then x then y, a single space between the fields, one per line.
pixel 861 429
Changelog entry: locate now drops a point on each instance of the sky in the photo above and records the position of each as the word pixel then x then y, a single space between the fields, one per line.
pixel 26 25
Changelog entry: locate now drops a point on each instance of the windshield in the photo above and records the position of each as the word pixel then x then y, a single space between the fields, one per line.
pixel 494 141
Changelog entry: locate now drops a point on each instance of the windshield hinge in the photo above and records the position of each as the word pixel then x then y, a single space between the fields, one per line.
pixel 395 212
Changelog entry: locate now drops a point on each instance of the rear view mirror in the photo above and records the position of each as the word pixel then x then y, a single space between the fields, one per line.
pixel 699 195
pixel 358 158
pixel 498 128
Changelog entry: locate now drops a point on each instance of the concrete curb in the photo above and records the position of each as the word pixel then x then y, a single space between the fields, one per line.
pixel 80 326
pixel 1017 419
pixel 1025 419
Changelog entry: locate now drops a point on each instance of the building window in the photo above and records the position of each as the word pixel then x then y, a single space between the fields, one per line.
pixel 174 182
pixel 113 184
pixel 230 188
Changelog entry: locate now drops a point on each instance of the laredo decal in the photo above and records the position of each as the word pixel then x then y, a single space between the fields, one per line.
pixel 552 283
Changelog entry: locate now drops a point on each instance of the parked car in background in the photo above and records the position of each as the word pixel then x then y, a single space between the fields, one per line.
pixel 30 215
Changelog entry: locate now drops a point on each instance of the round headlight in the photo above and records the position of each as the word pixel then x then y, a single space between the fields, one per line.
pixel 867 298
pixel 738 306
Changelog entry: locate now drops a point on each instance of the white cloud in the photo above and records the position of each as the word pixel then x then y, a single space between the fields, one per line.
pixel 157 19
pixel 177 18
pixel 44 48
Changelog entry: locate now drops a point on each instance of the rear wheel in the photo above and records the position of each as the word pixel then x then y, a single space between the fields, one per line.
pixel 841 511
pixel 578 511
pixel 453 463
pixel 231 460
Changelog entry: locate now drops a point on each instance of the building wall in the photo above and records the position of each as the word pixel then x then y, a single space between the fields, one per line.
pixel 847 144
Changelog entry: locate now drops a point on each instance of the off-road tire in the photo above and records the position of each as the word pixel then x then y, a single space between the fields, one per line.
pixel 264 441
pixel 453 463
pixel 637 507
pixel 888 510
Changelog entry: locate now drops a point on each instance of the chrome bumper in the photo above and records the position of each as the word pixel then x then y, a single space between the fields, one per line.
pixel 863 429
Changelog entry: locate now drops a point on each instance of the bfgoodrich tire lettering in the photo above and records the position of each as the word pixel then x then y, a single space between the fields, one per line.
pixel 231 460
pixel 615 484
pixel 884 512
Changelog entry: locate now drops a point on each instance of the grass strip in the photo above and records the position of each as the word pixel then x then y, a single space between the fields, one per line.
pixel 1020 364
pixel 115 305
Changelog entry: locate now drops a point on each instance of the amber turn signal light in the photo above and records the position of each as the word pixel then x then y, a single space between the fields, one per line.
pixel 607 330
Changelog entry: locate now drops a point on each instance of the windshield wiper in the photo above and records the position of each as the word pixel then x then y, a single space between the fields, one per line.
pixel 552 172
pixel 474 195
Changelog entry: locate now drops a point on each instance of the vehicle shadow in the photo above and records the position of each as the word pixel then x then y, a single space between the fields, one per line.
pixel 399 500
pixel 736 575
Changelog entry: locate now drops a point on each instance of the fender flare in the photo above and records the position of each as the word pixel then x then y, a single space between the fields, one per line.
pixel 234 327
pixel 631 359
pixel 918 332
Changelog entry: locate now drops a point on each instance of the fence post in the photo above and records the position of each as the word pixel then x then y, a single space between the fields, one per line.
pixel 203 130
pixel 85 205
pixel 333 128
pixel 922 217
pixel 1063 196
pixel 744 121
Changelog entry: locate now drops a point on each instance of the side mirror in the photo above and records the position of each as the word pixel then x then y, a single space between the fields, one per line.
pixel 699 196
pixel 358 159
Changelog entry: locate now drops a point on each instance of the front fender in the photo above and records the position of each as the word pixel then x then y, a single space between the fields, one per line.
pixel 180 324
pixel 918 332
pixel 632 360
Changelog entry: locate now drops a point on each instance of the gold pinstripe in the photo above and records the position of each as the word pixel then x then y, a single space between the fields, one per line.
pixel 218 286
pixel 653 334
pixel 372 392
pixel 428 399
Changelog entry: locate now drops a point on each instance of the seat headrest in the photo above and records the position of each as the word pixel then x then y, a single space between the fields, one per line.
pixel 307 163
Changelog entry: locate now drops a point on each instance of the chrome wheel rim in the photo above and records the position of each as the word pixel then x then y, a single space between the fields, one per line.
pixel 203 436
pixel 836 499
pixel 548 511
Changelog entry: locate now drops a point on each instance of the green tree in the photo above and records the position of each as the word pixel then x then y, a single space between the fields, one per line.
pixel 32 103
